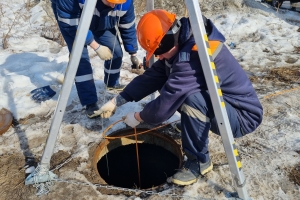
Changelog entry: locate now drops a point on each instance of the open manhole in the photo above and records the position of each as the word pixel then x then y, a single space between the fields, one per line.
pixel 116 159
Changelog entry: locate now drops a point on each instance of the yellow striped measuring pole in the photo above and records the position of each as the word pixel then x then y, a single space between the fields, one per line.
pixel 212 81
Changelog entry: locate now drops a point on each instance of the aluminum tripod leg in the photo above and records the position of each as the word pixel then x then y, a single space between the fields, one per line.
pixel 84 24
pixel 150 6
pixel 215 92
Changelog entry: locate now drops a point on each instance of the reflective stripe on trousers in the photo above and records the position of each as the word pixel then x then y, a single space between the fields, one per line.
pixel 197 118
pixel 112 69
pixel 84 76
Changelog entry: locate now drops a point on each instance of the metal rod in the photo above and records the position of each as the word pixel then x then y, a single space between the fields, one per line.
pixel 107 161
pixel 137 156
pixel 150 6
pixel 195 17
pixel 130 135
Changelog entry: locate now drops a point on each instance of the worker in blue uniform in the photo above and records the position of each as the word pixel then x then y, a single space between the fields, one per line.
pixel 179 77
pixel 102 37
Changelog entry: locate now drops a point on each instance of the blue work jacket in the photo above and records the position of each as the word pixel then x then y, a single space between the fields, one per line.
pixel 104 18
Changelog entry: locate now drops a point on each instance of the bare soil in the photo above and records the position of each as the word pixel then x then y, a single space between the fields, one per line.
pixel 12 176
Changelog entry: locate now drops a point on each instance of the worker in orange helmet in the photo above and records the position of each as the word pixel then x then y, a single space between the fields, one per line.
pixel 102 38
pixel 179 77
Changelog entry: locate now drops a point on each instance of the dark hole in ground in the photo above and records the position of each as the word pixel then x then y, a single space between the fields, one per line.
pixel 156 164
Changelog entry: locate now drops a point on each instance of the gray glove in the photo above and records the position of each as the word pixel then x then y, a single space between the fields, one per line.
pixel 136 63
pixel 104 52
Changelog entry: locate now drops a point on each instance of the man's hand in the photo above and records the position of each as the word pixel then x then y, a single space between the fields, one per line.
pixel 131 120
pixel 136 63
pixel 107 110
pixel 104 52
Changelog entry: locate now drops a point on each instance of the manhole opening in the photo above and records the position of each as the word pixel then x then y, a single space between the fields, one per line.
pixel 159 158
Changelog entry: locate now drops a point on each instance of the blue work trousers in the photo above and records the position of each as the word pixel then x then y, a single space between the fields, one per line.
pixel 197 118
pixel 84 76
pixel 111 67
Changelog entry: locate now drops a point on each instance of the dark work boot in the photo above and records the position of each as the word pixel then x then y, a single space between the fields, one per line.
pixel 191 171
pixel 118 87
pixel 89 110
pixel 177 127
pixel 30 165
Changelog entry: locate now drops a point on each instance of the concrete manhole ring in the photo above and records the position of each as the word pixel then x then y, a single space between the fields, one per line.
pixel 160 157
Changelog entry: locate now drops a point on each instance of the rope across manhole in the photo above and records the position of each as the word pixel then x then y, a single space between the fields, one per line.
pixel 118 164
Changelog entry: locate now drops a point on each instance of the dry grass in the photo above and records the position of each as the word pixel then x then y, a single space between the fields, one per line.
pixel 30 4
pixel 294 174
pixel 1 13
pixel 293 21
pixel 7 35
pixel 50 30
pixel 280 74
pixel 296 50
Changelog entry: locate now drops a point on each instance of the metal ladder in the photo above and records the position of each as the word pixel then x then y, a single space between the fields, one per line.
pixel 201 39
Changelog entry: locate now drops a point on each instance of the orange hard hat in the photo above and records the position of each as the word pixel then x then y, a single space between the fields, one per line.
pixel 152 27
pixel 116 1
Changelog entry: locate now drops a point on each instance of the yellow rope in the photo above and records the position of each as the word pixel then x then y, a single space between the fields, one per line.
pixel 137 156
pixel 281 92
pixel 116 137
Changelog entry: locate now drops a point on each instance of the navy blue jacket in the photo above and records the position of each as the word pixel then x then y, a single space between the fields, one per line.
pixel 187 77
pixel 104 18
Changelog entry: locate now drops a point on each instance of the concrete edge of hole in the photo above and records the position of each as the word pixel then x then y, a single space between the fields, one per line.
pixel 152 137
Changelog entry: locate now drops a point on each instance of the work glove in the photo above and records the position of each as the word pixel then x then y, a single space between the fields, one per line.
pixel 130 120
pixel 104 52
pixel 47 92
pixel 107 110
pixel 42 94
pixel 136 63
pixel 60 79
